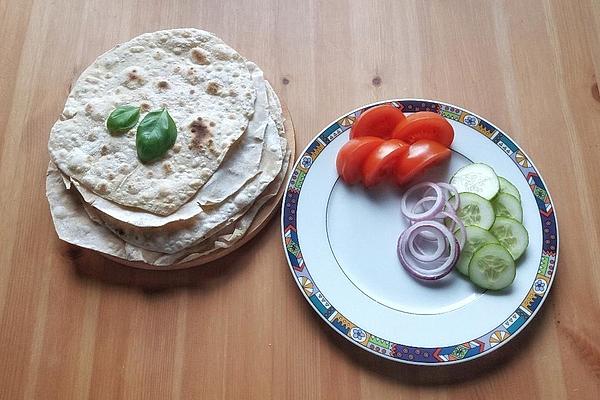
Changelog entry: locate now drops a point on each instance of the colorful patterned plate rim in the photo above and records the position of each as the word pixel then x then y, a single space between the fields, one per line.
pixel 340 246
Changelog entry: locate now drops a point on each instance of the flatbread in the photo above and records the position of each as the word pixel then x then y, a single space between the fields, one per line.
pixel 240 165
pixel 243 164
pixel 207 89
pixel 225 237
pixel 180 235
pixel 71 222
pixel 228 208
pixel 86 230
pixel 275 110
pixel 233 234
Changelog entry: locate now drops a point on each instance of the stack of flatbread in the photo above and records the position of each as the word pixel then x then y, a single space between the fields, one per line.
pixel 230 157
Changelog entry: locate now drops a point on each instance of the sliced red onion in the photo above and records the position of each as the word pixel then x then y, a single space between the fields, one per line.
pixel 437 206
pixel 416 268
pixel 451 191
pixel 437 217
pixel 427 217
pixel 418 252
pixel 422 201
pixel 461 226
pixel 452 225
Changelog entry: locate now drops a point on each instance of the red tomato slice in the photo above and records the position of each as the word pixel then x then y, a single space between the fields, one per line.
pixel 425 125
pixel 352 155
pixel 377 121
pixel 382 160
pixel 420 155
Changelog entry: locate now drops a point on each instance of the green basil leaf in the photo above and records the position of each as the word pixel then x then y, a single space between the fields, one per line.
pixel 122 119
pixel 156 134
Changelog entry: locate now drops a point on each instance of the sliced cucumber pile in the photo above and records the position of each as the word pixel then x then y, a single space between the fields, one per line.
pixel 490 208
pixel 492 267
pixel 477 178
pixel 476 238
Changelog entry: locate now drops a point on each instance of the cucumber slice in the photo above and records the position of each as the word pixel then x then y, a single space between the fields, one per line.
pixel 508 188
pixel 476 238
pixel 507 205
pixel 477 178
pixel 511 234
pixel 475 210
pixel 492 267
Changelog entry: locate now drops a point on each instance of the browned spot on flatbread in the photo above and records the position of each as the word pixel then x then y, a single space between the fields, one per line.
pixel 167 167
pixel 133 75
pixel 145 107
pixel 200 134
pixel 177 69
pixel 102 188
pixel 103 150
pixel 163 85
pixel 212 88
pixel 199 57
pixel 88 108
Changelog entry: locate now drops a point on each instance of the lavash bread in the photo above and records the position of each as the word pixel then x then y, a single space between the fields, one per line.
pixel 179 235
pixel 240 164
pixel 74 225
pixel 204 84
pixel 164 233
pixel 243 164
pixel 71 222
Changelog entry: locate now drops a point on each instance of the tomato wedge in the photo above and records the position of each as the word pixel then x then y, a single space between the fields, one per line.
pixel 377 121
pixel 352 155
pixel 381 160
pixel 420 155
pixel 425 125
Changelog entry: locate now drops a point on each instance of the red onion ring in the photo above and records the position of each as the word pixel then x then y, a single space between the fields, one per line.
pixel 451 191
pixel 447 206
pixel 461 226
pixel 417 270
pixel 417 252
pixel 435 208
pixel 452 225
pixel 424 200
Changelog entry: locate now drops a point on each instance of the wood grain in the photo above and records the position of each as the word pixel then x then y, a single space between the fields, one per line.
pixel 74 325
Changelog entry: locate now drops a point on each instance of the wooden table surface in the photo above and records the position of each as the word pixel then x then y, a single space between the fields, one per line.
pixel 75 326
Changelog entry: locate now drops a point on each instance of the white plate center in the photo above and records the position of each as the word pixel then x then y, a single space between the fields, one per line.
pixel 363 227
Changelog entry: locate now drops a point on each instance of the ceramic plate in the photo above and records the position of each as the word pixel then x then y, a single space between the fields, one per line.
pixel 340 243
